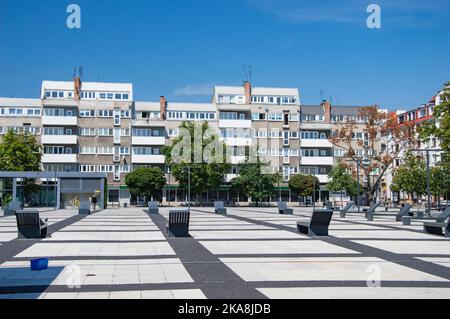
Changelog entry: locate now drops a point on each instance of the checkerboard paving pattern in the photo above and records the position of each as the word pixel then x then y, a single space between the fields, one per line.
pixel 249 253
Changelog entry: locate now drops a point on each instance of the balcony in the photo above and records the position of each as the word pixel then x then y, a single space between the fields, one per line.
pixel 323 178
pixel 148 159
pixel 235 123
pixel 59 139
pixel 148 140
pixel 322 143
pixel 316 126
pixel 60 120
pixel 317 160
pixel 59 158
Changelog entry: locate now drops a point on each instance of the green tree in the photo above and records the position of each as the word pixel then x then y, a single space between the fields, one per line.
pixel 440 181
pixel 440 127
pixel 303 185
pixel 252 182
pixel 340 180
pixel 206 173
pixel 411 176
pixel 146 181
pixel 20 152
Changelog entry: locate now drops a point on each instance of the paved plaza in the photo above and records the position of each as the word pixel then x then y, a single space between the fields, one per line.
pixel 249 253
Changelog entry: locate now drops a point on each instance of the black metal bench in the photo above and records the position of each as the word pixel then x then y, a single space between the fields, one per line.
pixel 178 223
pixel 153 207
pixel 439 219
pixel 318 225
pixel 30 225
pixel 283 209
pixel 441 229
pixel 219 208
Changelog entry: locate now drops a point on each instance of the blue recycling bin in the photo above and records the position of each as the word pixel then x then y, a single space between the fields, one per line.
pixel 39 264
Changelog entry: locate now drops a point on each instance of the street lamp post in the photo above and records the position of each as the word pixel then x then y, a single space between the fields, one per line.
pixel 427 151
pixel 189 188
pixel 358 163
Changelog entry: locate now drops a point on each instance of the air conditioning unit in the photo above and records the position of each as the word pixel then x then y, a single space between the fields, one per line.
pixel 286 160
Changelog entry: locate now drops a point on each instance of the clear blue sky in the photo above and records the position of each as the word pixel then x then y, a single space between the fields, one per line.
pixel 181 48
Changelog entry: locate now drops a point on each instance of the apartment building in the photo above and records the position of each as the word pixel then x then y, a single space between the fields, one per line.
pixel 413 119
pixel 99 127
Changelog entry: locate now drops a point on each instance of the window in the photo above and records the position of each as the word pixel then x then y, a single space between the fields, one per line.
pixel 87 113
pixel 105 113
pixel 125 114
pixel 87 168
pixel 173 132
pixel 88 150
pixel 275 117
pixel 105 150
pixel 105 132
pixel 84 131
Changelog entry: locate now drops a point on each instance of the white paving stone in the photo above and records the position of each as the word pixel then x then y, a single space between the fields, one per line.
pixel 322 269
pixel 356 293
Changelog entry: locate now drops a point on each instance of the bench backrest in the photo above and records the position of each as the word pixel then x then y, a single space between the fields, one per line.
pixel 15 206
pixel 445 214
pixel 321 217
pixel 405 209
pixel 346 208
pixel 85 205
pixel 153 205
pixel 179 218
pixel 282 205
pixel 219 205
pixel 373 208
pixel 27 218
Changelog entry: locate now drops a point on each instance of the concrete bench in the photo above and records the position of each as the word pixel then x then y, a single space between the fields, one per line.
pixel 30 225
pixel 318 225
pixel 153 207
pixel 441 229
pixel 343 211
pixel 283 209
pixel 439 219
pixel 178 223
pixel 219 208
pixel 12 208
pixel 404 211
pixel 85 208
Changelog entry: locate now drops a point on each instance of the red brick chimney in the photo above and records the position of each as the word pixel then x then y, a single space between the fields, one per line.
pixel 248 92
pixel 77 88
pixel 326 110
pixel 163 107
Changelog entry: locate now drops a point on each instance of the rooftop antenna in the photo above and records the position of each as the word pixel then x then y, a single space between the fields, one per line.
pixel 322 94
pixel 247 73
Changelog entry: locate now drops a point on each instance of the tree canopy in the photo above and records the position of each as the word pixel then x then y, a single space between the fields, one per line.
pixel 440 127
pixel 341 180
pixel 252 182
pixel 20 152
pixel 198 156
pixel 410 177
pixel 146 181
pixel 362 143
pixel 303 185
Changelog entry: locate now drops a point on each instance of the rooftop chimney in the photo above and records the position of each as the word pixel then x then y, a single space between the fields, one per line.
pixel 248 92
pixel 163 107
pixel 326 110
pixel 77 88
